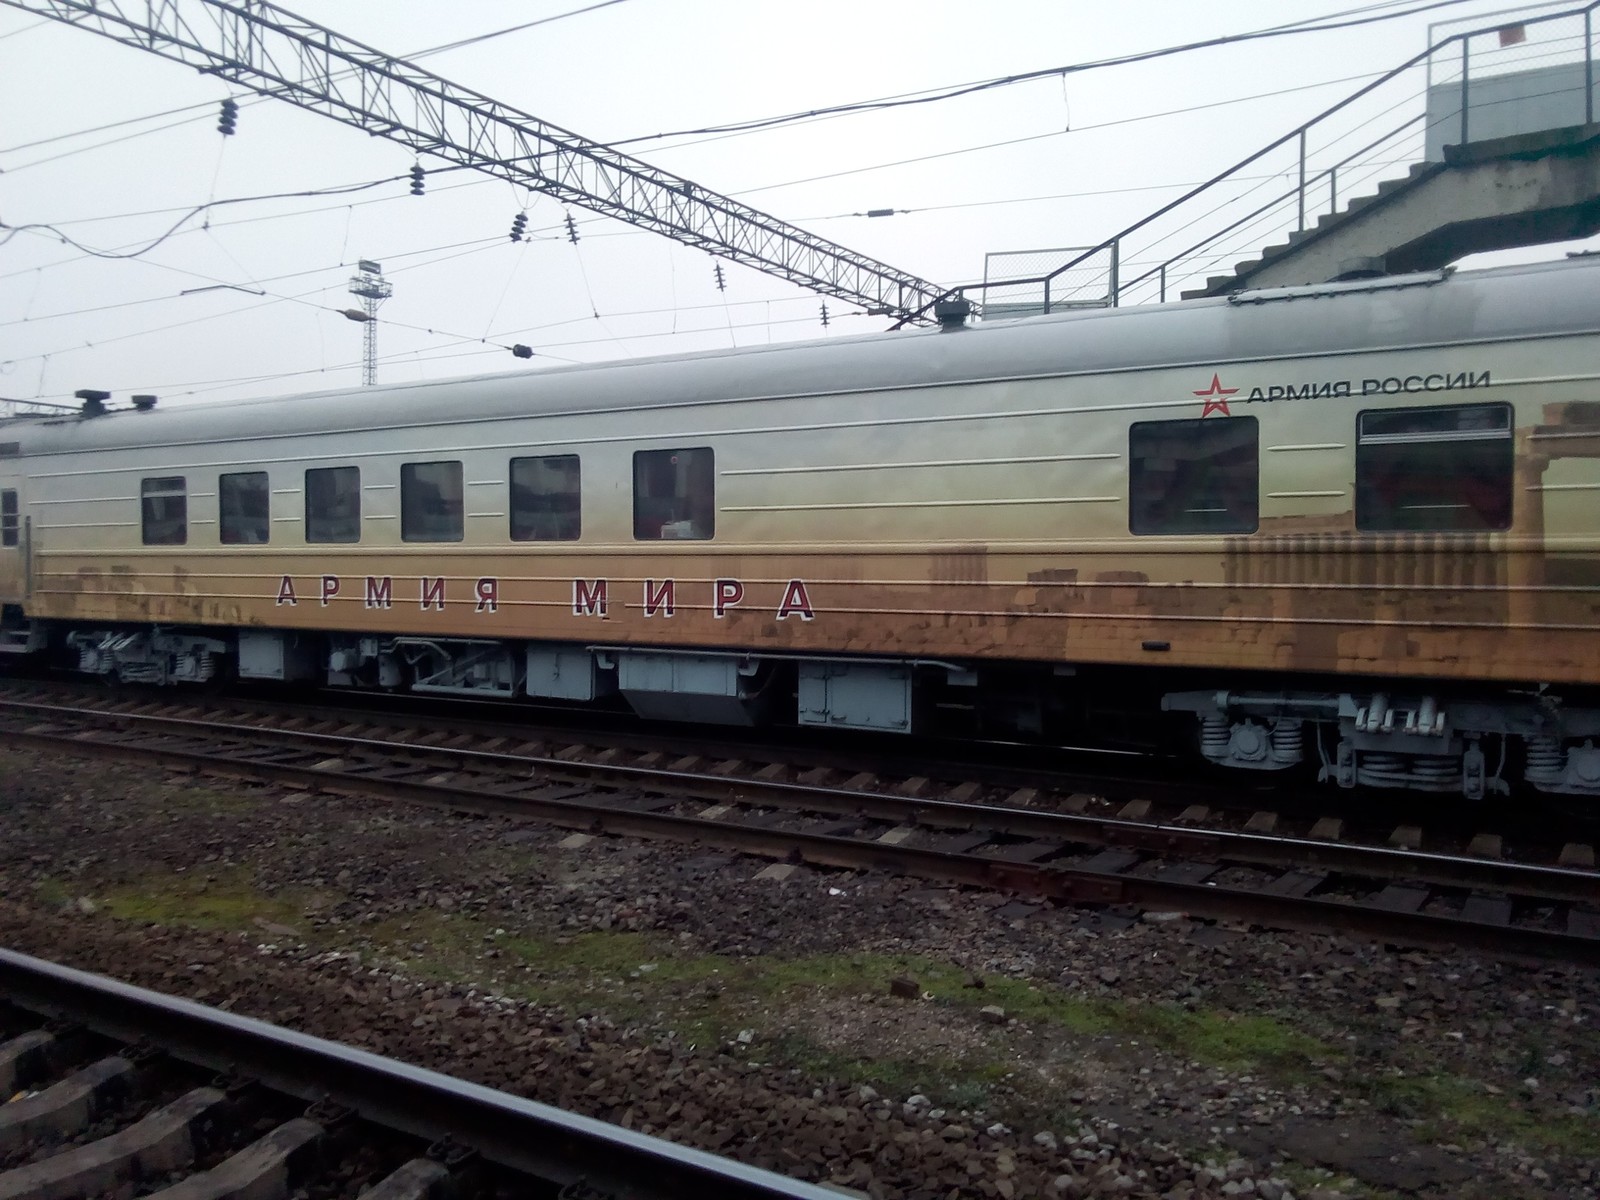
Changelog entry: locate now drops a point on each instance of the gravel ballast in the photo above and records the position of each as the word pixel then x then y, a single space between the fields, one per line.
pixel 873 1032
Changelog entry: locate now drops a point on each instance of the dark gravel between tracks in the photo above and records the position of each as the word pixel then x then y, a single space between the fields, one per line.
pixel 669 990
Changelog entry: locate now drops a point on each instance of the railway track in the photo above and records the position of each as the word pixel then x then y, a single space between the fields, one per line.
pixel 1062 848
pixel 1052 777
pixel 118 1088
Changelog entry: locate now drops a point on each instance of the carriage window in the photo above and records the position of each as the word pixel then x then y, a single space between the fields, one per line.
pixel 1433 469
pixel 164 511
pixel 333 504
pixel 8 518
pixel 544 499
pixel 674 494
pixel 243 508
pixel 1194 476
pixel 430 502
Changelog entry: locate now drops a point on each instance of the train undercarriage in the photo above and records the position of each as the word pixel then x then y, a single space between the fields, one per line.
pixel 1371 733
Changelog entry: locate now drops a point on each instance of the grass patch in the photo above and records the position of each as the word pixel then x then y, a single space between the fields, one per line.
pixel 708 998
pixel 228 899
pixel 630 976
pixel 1213 1037
pixel 1457 1109
pixel 190 799
pixel 966 1082
pixel 52 893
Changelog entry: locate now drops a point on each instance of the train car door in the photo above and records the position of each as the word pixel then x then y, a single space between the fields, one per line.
pixel 13 573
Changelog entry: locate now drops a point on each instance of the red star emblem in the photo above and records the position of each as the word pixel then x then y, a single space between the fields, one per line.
pixel 1216 397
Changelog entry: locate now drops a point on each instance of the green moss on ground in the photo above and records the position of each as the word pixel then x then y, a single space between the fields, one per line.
pixel 226 899
pixel 707 999
pixel 1452 1108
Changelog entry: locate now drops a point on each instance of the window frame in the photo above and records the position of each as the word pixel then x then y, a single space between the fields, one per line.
pixel 222 509
pixel 177 487
pixel 1375 443
pixel 576 493
pixel 1139 524
pixel 685 500
pixel 10 518
pixel 306 484
pixel 409 482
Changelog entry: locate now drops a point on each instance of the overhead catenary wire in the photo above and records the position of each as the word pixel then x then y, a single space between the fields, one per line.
pixel 972 88
pixel 7 232
pixel 594 310
pixel 270 301
pixel 1306 26
pixel 200 386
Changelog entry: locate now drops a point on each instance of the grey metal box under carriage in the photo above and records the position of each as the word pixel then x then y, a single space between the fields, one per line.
pixel 266 654
pixel 563 673
pixel 856 696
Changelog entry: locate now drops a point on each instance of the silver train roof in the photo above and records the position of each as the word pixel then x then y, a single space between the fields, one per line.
pixel 1431 309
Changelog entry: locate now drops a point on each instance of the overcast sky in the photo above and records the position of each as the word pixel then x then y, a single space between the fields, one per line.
pixel 1061 161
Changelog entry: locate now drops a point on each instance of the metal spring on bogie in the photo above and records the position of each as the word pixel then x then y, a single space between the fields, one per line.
pixel 1214 733
pixel 1545 757
pixel 1435 768
pixel 1377 768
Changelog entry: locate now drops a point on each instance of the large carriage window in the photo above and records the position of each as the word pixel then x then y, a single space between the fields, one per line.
pixel 164 511
pixel 1429 469
pixel 674 494
pixel 1194 476
pixel 544 499
pixel 8 518
pixel 430 502
pixel 333 504
pixel 244 508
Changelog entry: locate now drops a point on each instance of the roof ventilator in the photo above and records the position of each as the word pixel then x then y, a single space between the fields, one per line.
pixel 94 401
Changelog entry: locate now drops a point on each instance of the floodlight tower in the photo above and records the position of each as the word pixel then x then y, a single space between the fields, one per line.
pixel 373 289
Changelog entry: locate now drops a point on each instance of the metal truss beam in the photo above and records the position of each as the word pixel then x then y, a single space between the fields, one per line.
pixel 273 52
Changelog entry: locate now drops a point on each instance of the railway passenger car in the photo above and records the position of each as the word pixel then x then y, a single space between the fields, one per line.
pixel 1355 526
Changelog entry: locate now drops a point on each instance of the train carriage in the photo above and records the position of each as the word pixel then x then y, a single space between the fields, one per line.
pixel 1355 526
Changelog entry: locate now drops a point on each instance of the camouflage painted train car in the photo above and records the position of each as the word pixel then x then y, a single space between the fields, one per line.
pixel 1354 526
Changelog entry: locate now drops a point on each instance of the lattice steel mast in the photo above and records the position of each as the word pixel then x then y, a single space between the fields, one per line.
pixel 373 289
pixel 268 50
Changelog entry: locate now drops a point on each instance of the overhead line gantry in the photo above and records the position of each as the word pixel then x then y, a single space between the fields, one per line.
pixel 273 52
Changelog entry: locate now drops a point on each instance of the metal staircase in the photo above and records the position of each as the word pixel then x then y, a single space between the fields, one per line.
pixel 1491 195
pixel 1487 139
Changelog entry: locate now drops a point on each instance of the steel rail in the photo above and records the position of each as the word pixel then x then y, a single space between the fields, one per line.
pixel 523 722
pixel 522 1135
pixel 1533 881
pixel 1056 880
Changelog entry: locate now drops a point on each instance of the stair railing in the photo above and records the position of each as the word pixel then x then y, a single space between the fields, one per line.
pixel 1122 275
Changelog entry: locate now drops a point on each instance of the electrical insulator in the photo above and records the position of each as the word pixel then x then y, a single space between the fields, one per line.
pixel 518 224
pixel 824 314
pixel 722 283
pixel 521 351
pixel 229 118
pixel 417 174
pixel 572 230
